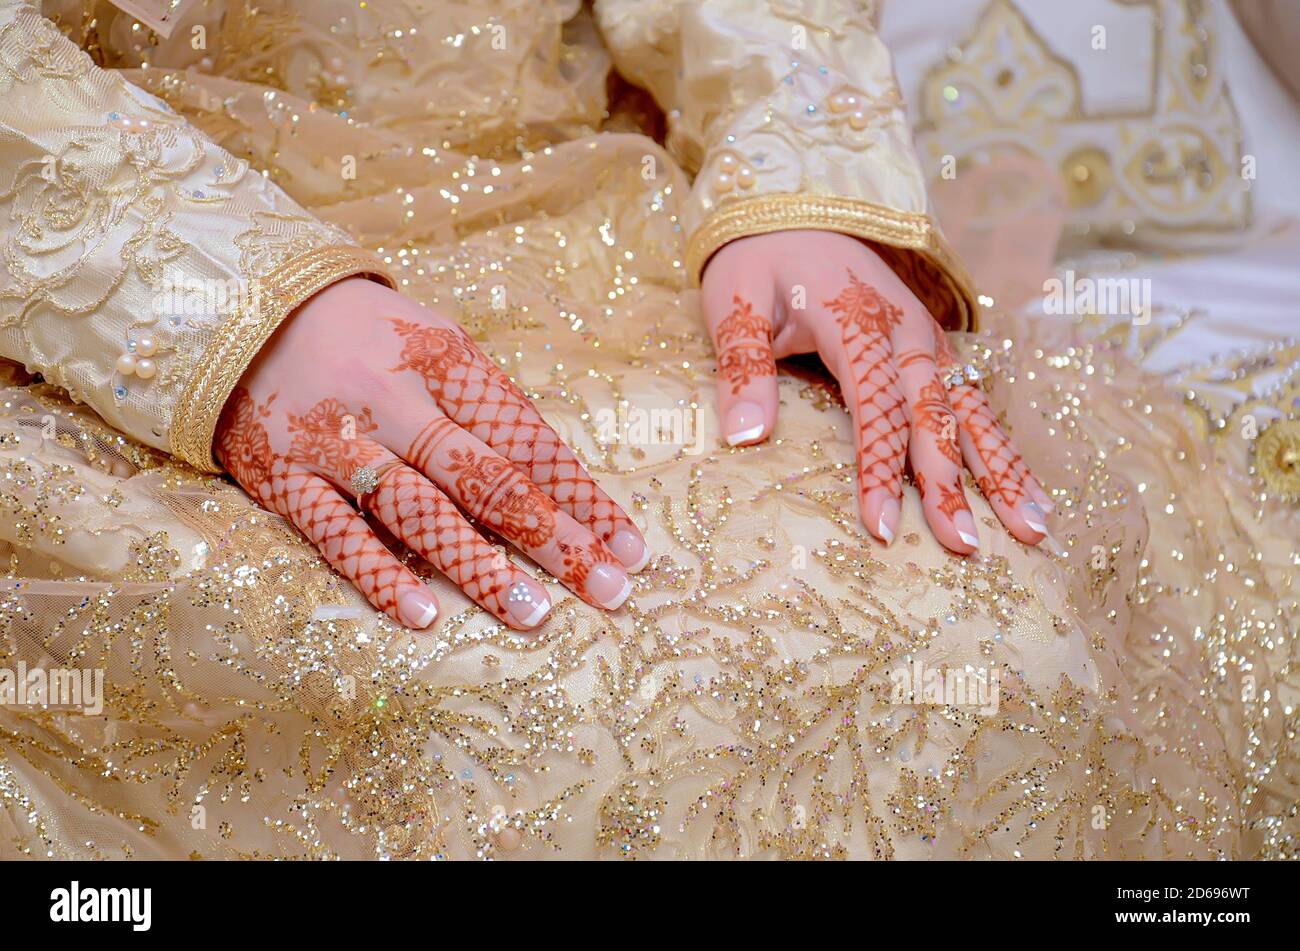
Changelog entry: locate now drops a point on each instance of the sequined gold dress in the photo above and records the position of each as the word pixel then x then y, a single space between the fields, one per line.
pixel 499 161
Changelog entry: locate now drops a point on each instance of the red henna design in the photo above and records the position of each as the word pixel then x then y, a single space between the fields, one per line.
pixel 905 360
pixel 745 346
pixel 952 500
pixel 579 560
pixel 243 445
pixel 863 306
pixel 341 535
pixel 932 413
pixel 433 352
pixel 478 477
pixel 425 444
pixel 428 523
pixel 865 320
pixel 499 495
pixel 987 486
pixel 326 439
pixel 481 399
pixel 1006 472
pixel 308 501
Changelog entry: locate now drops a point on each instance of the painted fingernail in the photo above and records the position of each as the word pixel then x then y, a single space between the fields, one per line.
pixel 888 523
pixel 630 549
pixel 527 604
pixel 1034 517
pixel 744 423
pixel 417 610
pixel 964 522
pixel 609 586
pixel 1042 498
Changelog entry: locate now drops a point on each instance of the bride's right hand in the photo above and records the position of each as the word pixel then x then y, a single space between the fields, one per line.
pixel 363 396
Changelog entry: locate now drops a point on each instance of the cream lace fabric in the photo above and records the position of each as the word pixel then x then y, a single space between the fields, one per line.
pixel 742 704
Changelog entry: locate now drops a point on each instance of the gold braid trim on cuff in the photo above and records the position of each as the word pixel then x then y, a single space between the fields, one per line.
pixel 242 334
pixel 955 306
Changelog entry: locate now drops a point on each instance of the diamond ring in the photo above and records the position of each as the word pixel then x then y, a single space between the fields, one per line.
pixel 960 375
pixel 366 478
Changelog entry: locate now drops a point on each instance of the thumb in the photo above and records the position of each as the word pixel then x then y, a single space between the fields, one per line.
pixel 741 325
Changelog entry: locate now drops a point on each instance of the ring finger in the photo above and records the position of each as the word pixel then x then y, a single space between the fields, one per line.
pixel 428 523
pixel 932 449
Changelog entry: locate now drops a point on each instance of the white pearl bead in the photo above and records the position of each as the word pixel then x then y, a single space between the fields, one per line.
pixel 858 119
pixel 745 177
pixel 727 163
pixel 839 102
pixel 145 369
pixel 146 346
pixel 723 182
pixel 126 364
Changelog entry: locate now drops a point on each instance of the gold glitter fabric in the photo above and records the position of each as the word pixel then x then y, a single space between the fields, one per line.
pixel 766 690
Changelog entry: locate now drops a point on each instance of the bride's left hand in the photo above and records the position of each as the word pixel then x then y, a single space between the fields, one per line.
pixel 774 295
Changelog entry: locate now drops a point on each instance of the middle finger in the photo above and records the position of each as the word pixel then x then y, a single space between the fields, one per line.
pixel 500 495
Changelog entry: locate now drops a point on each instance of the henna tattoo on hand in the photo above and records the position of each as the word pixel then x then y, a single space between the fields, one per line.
pixel 745 346
pixel 282 485
pixel 500 496
pixel 243 445
pixel 325 438
pixel 1006 473
pixel 933 414
pixel 484 401
pixel 866 319
pixel 430 524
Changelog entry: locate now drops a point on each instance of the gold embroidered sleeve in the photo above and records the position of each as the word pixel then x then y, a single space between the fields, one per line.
pixel 143 266
pixel 789 113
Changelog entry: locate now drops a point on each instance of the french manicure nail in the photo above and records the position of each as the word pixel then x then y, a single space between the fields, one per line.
pixel 628 547
pixel 1055 547
pixel 964 522
pixel 609 586
pixel 888 520
pixel 417 610
pixel 744 423
pixel 1034 517
pixel 527 604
